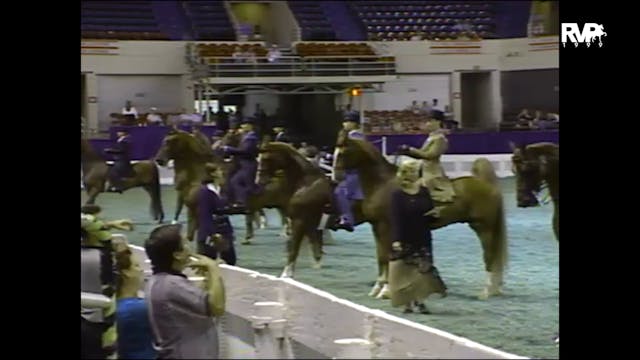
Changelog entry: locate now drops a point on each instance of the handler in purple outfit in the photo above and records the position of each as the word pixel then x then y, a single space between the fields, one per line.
pixel 242 182
pixel 348 190
pixel 215 233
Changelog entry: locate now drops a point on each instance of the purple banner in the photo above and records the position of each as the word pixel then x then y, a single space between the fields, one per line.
pixel 471 143
pixel 147 140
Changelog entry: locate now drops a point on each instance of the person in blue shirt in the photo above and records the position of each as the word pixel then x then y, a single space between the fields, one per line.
pixel 348 190
pixel 135 339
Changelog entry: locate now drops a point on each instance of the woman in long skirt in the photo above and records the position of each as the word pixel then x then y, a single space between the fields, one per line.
pixel 412 275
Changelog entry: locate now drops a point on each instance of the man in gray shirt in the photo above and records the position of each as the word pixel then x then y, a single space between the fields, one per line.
pixel 182 314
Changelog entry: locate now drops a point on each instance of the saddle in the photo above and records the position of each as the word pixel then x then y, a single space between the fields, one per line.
pixel 441 189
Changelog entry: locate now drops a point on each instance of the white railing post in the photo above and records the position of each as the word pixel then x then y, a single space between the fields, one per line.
pixel 268 324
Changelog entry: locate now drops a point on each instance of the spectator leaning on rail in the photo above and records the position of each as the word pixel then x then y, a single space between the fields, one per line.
pixel 182 314
pixel 135 340
pixel 95 234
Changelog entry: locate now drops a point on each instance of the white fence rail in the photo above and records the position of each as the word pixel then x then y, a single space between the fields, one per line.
pixel 269 317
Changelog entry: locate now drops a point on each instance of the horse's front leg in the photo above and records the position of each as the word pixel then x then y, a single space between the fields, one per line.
pixel 262 219
pixel 179 205
pixel 92 195
pixel 286 224
pixel 293 247
pixel 382 234
pixel 248 222
pixel 192 224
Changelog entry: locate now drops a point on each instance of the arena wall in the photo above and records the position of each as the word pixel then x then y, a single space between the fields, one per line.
pixel 307 323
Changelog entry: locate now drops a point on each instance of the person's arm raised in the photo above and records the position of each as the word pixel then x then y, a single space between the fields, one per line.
pixel 213 284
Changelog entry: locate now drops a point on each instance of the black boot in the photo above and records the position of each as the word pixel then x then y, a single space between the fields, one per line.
pixel 236 209
pixel 344 225
pixel 422 308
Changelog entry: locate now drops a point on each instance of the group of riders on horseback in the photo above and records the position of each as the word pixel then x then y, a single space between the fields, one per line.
pixel 241 182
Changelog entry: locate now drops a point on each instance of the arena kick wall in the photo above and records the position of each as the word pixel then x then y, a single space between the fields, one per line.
pixel 269 317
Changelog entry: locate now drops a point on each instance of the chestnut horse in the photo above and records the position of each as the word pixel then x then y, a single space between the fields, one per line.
pixel 478 203
pixel 534 165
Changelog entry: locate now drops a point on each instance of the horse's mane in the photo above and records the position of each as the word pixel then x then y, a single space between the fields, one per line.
pixel 543 148
pixel 303 163
pixel 88 153
pixel 192 142
pixel 375 156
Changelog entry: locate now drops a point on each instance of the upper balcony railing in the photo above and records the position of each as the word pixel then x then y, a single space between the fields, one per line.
pixel 293 66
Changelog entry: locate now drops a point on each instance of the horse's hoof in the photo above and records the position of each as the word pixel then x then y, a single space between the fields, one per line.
pixel 375 290
pixel 487 293
pixel 283 235
pixel 384 293
pixel 173 222
pixel 287 273
pixel 317 265
pixel 246 242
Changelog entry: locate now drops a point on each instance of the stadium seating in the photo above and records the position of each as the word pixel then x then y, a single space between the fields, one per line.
pixel 223 50
pixel 333 49
pixel 312 20
pixel 209 20
pixel 435 20
pixel 394 121
pixel 130 20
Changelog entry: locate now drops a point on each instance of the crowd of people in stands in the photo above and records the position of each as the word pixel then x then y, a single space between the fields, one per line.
pixel 223 119
pixel 538 121
pixel 412 120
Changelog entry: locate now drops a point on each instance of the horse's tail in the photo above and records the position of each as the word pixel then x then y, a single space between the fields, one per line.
pixel 483 169
pixel 155 191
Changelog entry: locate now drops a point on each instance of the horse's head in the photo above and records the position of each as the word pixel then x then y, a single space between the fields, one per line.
pixel 231 138
pixel 531 166
pixel 278 157
pixel 271 159
pixel 352 154
pixel 87 152
pixel 176 143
